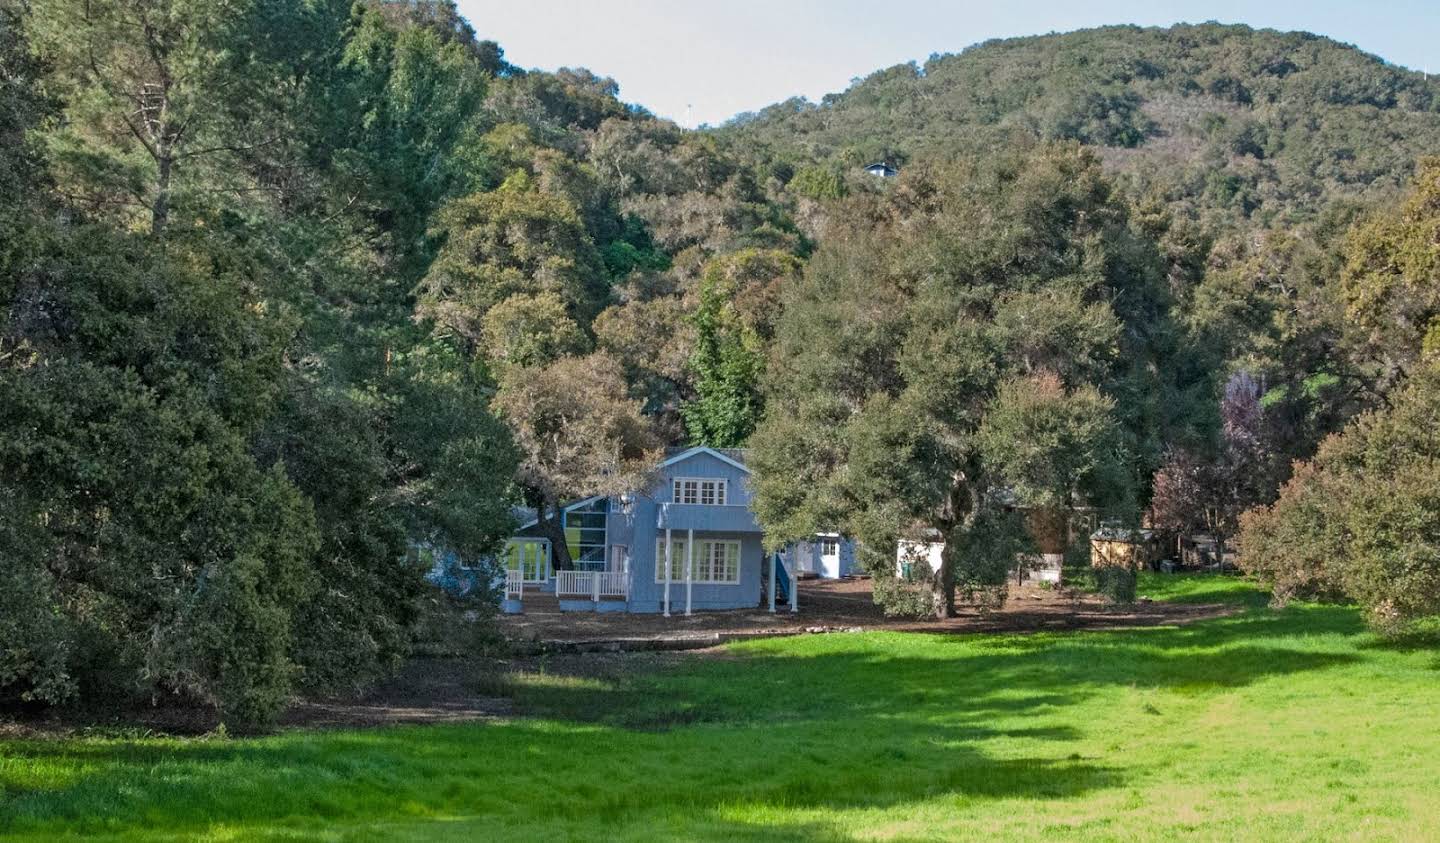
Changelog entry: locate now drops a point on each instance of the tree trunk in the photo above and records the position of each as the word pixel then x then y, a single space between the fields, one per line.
pixel 549 523
pixel 160 210
pixel 943 584
pixel 959 516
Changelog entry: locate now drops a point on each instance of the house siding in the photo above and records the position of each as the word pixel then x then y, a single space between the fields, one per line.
pixel 810 560
pixel 639 531
pixel 635 524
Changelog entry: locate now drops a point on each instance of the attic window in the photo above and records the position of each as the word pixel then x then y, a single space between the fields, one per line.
pixel 705 491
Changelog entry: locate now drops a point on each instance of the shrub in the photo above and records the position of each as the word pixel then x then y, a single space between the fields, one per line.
pixel 900 598
pixel 1117 582
pixel 819 183
pixel 1363 518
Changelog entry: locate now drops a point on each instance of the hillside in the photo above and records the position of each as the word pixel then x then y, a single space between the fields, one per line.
pixel 276 312
pixel 1249 123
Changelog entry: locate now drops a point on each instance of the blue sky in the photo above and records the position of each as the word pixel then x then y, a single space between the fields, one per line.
pixel 722 57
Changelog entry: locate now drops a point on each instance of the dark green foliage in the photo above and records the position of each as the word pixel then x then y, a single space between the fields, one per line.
pixel 983 555
pixel 940 370
pixel 1363 518
pixel 22 105
pixel 221 439
pixel 1194 107
pixel 1117 582
pixel 633 249
pixel 739 296
pixel 155 542
pixel 1103 116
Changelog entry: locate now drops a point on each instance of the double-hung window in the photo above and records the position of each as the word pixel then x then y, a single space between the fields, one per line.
pixel 701 490
pixel 717 561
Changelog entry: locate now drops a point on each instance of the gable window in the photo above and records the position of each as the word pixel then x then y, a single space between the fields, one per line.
pixel 717 562
pixel 706 491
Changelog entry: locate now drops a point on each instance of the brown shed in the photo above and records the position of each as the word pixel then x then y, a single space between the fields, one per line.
pixel 1114 546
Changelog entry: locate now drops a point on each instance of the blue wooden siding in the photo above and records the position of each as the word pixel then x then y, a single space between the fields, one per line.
pixel 638 530
pixel 810 558
pixel 634 525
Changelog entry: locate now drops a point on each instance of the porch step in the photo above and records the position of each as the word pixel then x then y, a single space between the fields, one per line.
pixel 539 603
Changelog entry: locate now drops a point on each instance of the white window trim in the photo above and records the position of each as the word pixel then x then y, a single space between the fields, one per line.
pixel 720 484
pixel 678 549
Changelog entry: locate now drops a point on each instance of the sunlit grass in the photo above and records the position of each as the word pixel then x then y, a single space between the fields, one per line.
pixel 1293 724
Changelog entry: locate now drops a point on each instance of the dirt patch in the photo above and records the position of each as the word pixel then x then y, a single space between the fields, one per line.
pixel 607 647
pixel 425 690
pixel 434 690
pixel 841 605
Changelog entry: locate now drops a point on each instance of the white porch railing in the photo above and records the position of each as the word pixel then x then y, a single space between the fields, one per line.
pixel 515 584
pixel 592 584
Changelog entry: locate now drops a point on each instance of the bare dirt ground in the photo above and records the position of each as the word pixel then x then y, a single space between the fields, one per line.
pixel 846 605
pixel 451 689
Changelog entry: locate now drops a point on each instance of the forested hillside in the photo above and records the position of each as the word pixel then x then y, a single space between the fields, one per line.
pixel 1216 120
pixel 1246 154
pixel 1261 166
pixel 297 297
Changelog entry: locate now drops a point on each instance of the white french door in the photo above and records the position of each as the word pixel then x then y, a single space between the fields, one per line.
pixel 531 557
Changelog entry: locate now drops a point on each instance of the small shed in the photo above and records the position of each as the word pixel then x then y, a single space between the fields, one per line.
pixel 1116 546
pixel 883 169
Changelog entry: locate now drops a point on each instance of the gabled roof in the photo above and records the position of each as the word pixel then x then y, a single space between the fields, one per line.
pixel 566 508
pixel 1114 533
pixel 731 456
pixel 734 457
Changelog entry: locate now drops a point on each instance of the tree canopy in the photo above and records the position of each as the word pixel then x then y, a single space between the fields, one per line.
pixel 291 290
pixel 965 357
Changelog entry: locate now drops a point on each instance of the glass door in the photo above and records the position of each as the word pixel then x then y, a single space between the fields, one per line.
pixel 531 557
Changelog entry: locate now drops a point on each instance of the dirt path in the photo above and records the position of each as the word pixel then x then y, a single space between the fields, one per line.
pixel 834 605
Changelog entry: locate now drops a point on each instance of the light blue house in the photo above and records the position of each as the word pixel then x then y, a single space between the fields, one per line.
pixel 696 517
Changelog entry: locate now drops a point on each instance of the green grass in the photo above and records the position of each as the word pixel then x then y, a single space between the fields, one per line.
pixel 1201 588
pixel 1293 724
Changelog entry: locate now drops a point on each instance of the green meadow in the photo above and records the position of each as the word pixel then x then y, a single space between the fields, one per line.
pixel 1265 724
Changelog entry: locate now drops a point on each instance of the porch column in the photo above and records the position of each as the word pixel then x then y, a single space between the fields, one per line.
pixel 771 589
pixel 689 567
pixel 794 588
pixel 667 572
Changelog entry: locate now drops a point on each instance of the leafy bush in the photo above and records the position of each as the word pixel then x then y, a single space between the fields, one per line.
pixel 818 183
pixel 1363 518
pixel 1117 582
pixel 901 598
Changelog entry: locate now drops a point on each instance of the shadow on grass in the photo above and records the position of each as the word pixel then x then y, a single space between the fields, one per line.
pixel 823 722
pixel 901 676
pixel 567 778
pixel 1423 635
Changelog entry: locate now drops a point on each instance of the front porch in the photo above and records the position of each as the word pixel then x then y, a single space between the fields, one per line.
pixel 592 589
pixel 571 591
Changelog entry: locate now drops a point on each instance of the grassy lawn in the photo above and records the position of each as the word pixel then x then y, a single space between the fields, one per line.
pixel 1263 725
